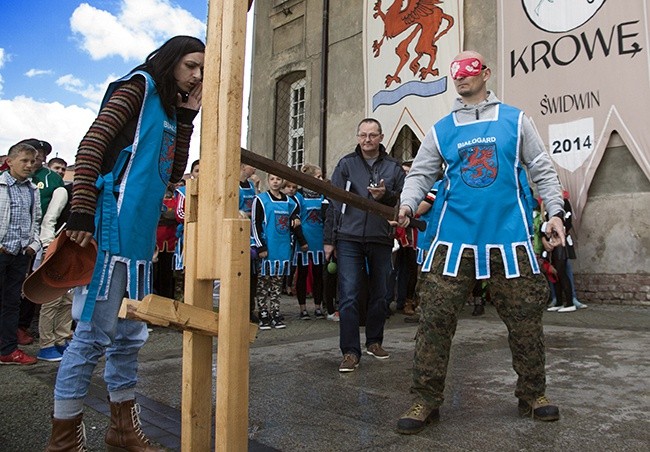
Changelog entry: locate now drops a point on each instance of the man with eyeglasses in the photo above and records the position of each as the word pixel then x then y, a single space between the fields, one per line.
pixel 362 241
pixel 483 224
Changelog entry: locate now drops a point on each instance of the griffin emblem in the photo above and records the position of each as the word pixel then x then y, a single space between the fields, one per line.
pixel 425 17
pixel 480 165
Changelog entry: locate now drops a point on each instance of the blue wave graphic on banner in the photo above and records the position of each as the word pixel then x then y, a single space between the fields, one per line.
pixel 412 88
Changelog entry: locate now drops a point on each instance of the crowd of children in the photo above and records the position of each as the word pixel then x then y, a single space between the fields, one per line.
pixel 287 249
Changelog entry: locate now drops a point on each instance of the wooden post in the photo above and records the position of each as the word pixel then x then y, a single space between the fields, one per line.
pixel 233 343
pixel 214 238
pixel 196 407
pixel 231 239
pixel 220 129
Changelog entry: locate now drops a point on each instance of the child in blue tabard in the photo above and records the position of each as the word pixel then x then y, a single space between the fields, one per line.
pixel 247 192
pixel 289 280
pixel 274 217
pixel 312 219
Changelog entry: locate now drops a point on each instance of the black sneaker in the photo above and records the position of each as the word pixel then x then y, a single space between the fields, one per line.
pixel 416 418
pixel 253 318
pixel 265 320
pixel 304 315
pixel 319 314
pixel 277 323
pixel 540 409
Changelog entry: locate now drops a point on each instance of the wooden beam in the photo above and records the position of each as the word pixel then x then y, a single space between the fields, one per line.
pixel 220 129
pixel 161 311
pixel 218 204
pixel 231 432
pixel 320 186
pixel 196 407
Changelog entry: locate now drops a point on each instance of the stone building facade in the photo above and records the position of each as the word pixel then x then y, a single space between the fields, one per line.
pixel 297 115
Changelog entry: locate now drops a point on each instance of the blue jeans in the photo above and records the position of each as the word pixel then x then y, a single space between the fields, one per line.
pixel 362 265
pixel 12 274
pixel 119 339
pixel 569 273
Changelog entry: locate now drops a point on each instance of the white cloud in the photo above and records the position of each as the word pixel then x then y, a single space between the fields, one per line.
pixel 132 33
pixel 93 93
pixel 62 126
pixel 70 82
pixel 137 29
pixel 36 72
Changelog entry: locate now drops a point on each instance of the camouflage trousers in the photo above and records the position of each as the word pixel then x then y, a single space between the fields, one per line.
pixel 520 303
pixel 267 293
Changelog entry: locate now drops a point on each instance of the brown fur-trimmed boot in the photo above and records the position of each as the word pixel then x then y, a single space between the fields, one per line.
pixel 67 435
pixel 125 432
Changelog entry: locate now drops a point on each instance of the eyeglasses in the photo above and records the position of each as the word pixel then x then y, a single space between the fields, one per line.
pixel 372 136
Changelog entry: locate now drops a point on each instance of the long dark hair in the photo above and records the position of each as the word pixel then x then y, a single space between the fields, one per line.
pixel 160 65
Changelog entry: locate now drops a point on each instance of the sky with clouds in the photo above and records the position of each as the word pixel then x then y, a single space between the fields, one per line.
pixel 57 57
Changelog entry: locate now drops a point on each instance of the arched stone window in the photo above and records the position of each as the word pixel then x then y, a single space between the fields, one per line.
pixel 289 143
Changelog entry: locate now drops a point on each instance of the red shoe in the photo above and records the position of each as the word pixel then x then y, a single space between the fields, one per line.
pixel 18 357
pixel 24 338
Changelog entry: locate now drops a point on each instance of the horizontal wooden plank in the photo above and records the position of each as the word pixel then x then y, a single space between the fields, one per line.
pixel 161 311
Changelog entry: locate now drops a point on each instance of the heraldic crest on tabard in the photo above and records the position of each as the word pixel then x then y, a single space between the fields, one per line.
pixel 419 17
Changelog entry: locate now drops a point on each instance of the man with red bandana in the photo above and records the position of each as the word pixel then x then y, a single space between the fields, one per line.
pixel 483 222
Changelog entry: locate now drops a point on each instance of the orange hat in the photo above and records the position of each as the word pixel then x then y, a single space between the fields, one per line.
pixel 66 265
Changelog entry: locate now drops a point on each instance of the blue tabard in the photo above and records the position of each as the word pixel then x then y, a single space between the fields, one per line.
pixel 246 196
pixel 127 213
pixel 312 228
pixel 483 201
pixel 276 230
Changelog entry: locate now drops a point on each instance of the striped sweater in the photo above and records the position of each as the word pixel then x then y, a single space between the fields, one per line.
pixel 112 131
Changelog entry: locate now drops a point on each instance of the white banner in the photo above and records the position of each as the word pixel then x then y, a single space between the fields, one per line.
pixel 408 47
pixel 580 69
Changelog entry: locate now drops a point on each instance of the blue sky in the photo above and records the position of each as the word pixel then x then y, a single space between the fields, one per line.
pixel 57 57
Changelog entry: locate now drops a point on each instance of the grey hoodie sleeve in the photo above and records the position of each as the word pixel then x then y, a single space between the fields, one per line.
pixel 425 170
pixel 540 167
